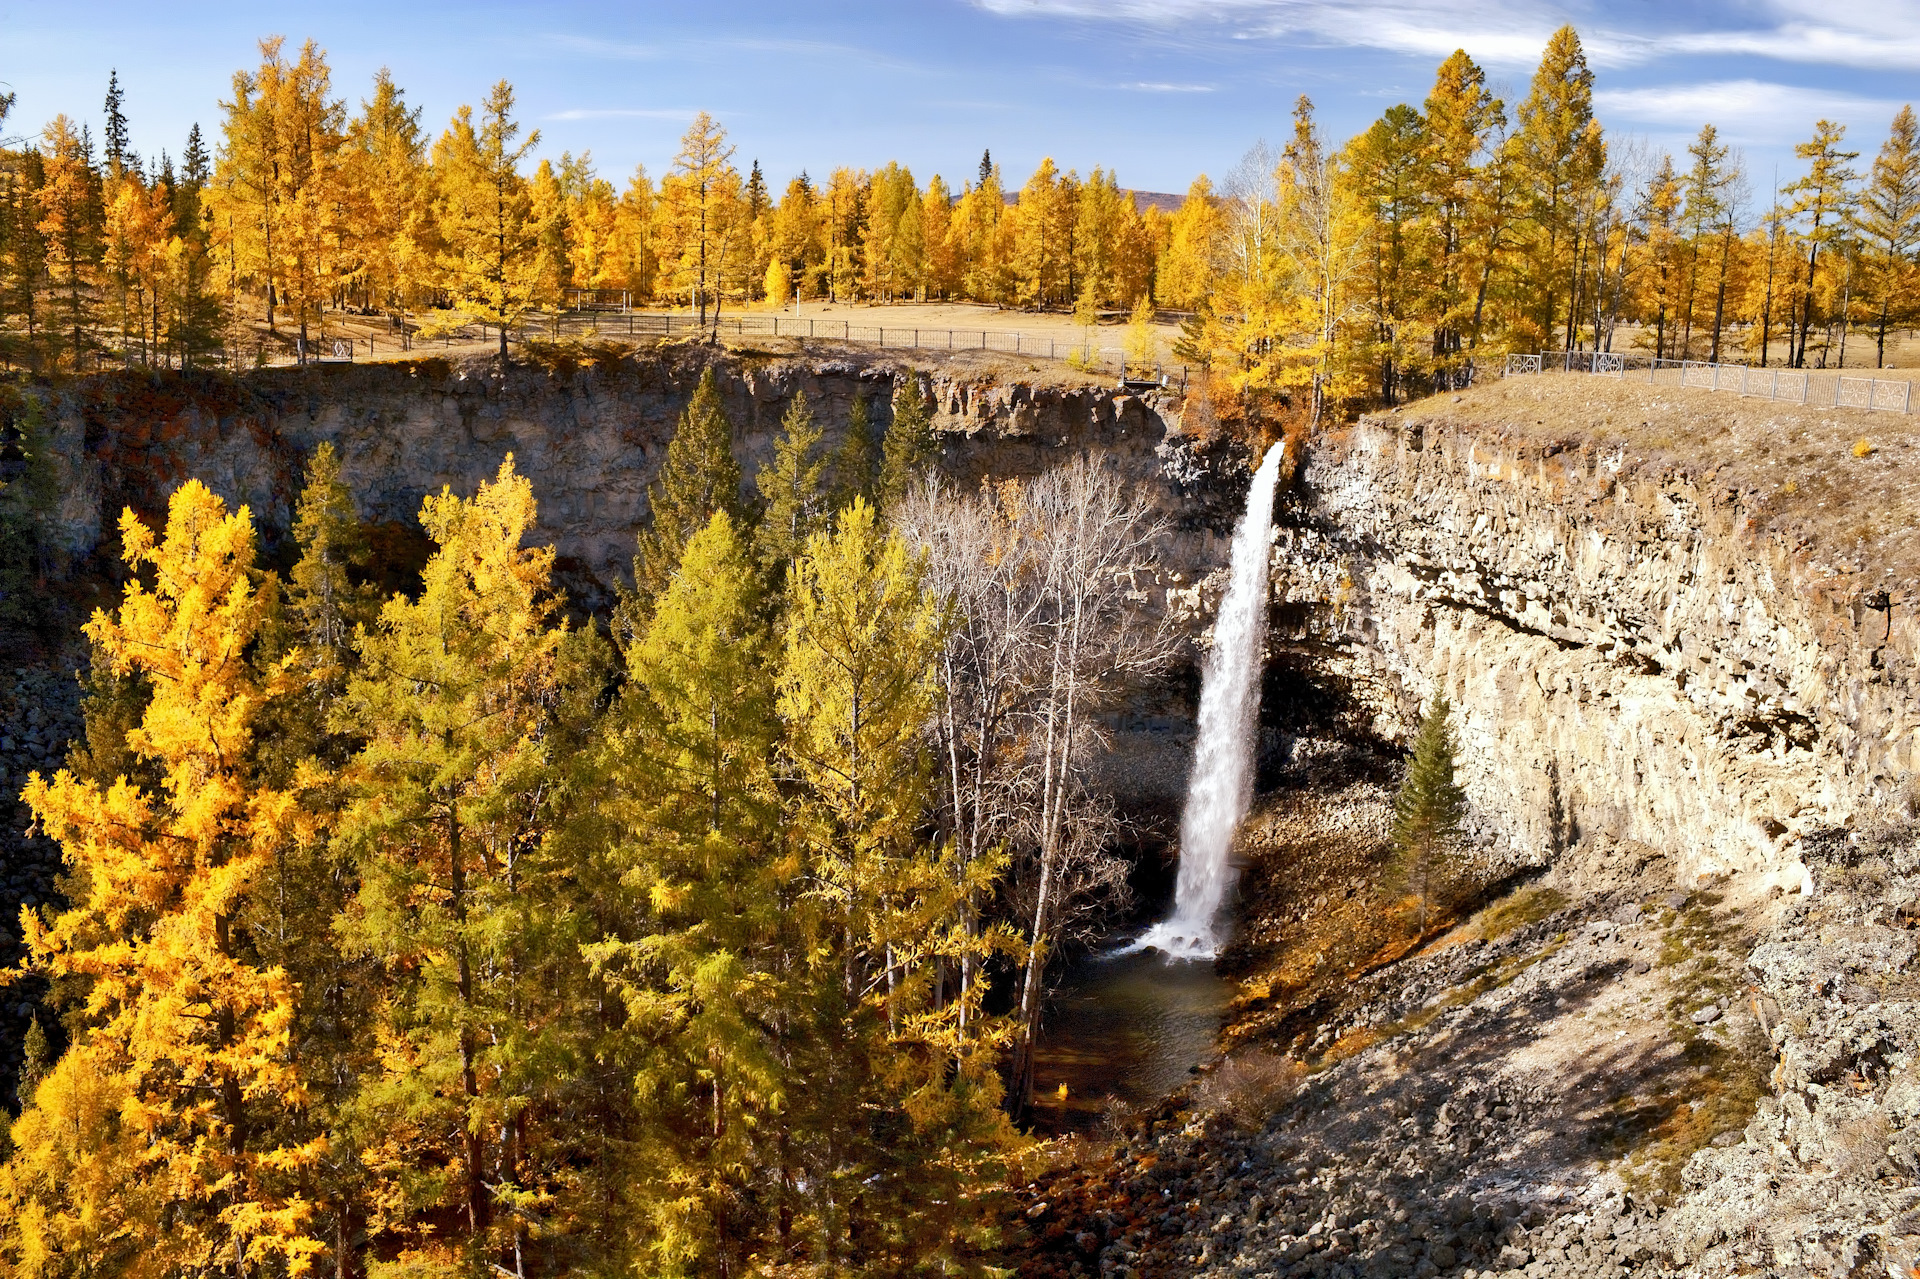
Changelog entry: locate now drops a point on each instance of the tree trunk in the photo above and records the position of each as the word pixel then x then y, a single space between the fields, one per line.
pixel 478 1214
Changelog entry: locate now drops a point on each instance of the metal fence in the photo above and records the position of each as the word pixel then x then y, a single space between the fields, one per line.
pixel 907 337
pixel 1823 388
pixel 635 324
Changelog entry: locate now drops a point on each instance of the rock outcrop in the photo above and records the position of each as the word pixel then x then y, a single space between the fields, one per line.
pixel 591 438
pixel 1672 702
pixel 1628 658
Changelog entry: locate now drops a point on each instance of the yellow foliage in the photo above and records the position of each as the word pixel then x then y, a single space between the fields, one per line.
pixel 197 1034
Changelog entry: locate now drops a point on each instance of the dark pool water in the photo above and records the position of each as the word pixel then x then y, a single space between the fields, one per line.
pixel 1124 1029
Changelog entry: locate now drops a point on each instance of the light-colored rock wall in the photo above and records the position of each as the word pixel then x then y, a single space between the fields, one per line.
pixel 591 442
pixel 1625 656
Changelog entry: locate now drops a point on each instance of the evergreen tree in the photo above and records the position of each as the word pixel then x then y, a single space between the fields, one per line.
pixel 699 477
pixel 36 1057
pixel 758 201
pixel 195 167
pixel 311 882
pixel 790 486
pixel 705 957
pixel 491 259
pixel 193 320
pixel 856 459
pixel 120 156
pixel 909 448
pixel 452 798
pixel 326 603
pixel 1889 221
pixel 182 1020
pixel 1428 811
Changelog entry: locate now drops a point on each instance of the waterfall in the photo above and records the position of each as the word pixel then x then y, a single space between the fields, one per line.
pixel 1221 786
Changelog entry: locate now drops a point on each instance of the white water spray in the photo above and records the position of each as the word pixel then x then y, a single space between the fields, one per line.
pixel 1221 786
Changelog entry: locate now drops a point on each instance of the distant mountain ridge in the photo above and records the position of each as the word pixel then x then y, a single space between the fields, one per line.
pixel 1165 201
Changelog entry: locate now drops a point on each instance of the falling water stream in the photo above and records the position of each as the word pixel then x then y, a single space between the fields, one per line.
pixel 1221 784
pixel 1126 1026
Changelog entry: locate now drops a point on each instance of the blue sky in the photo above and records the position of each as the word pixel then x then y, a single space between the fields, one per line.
pixel 1157 89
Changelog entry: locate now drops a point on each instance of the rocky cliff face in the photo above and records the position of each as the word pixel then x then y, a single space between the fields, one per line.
pixel 1629 658
pixel 590 438
pixel 1659 691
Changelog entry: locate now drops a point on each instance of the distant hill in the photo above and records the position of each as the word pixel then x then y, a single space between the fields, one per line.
pixel 1165 201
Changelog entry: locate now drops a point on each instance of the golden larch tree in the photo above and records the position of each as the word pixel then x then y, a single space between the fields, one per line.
pixel 177 1017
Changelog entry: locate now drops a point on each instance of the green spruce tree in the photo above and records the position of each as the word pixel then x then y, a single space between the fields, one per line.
pixel 909 448
pixel 325 602
pixel 856 460
pixel 699 478
pixel 451 801
pixel 703 951
pixel 790 486
pixel 1428 811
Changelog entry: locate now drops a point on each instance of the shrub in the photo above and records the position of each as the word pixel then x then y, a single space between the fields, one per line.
pixel 1427 814
pixel 1250 1085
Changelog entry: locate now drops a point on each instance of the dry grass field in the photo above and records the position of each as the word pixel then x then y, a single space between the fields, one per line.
pixel 1847 481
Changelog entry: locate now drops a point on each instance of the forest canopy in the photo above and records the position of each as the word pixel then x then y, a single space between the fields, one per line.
pixel 1457 228
pixel 437 933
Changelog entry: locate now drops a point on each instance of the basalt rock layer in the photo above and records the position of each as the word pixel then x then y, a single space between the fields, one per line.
pixel 1634 654
pixel 591 437
pixel 1631 655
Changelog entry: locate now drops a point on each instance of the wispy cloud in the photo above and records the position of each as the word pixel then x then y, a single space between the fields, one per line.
pixel 1754 111
pixel 1155 86
pixel 625 113
pixel 1868 34
pixel 1500 31
pixel 719 48
pixel 595 47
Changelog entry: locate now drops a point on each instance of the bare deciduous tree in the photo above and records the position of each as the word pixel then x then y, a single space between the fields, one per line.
pixel 1044 638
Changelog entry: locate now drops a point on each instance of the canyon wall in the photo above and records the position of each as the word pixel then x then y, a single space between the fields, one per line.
pixel 591 438
pixel 1627 656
